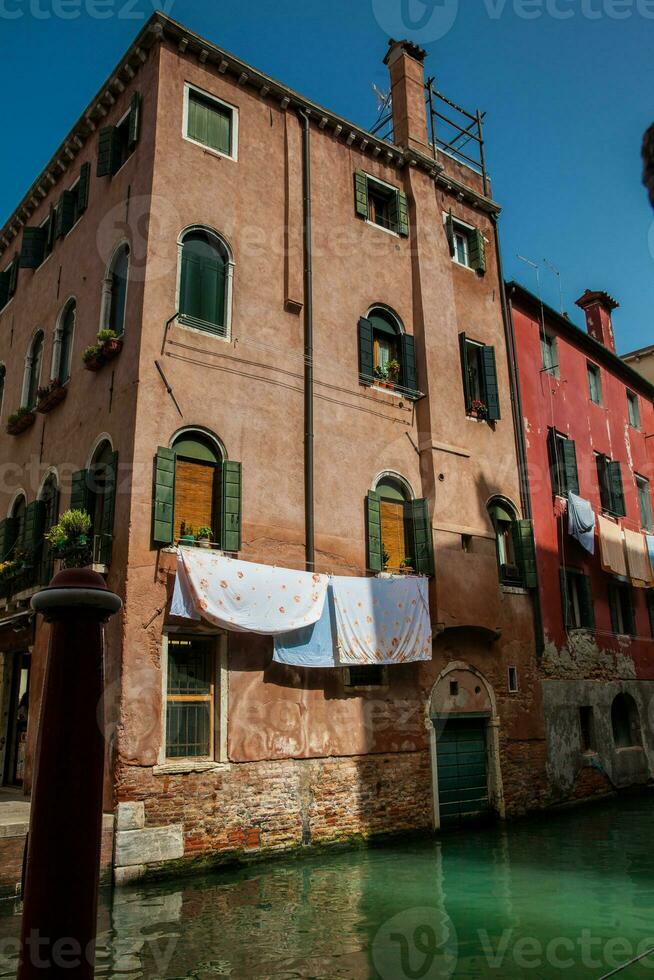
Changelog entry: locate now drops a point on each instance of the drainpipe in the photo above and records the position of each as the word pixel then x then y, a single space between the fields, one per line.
pixel 518 425
pixel 309 522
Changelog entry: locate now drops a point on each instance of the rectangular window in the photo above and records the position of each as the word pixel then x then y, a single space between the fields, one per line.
pixel 622 609
pixel 586 729
pixel 467 244
pixel 634 409
pixel 190 698
pixel 513 680
pixel 381 203
pixel 563 464
pixel 577 600
pixel 644 502
pixel 480 384
pixel 9 281
pixel 358 678
pixel 117 143
pixel 609 475
pixel 594 383
pixel 210 122
pixel 549 354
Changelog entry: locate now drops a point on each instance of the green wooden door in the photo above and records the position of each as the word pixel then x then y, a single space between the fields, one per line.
pixel 462 769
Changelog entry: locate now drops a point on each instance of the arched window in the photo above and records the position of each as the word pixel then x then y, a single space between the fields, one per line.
pixel 386 352
pixel 49 498
pixel 63 344
pixel 205 281
pixel 94 491
pixel 396 548
pixel 3 378
pixel 32 377
pixel 119 279
pixel 625 722
pixel 15 538
pixel 399 528
pixel 197 487
pixel 504 519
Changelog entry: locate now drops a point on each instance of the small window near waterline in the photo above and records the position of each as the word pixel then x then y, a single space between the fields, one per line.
pixel 586 729
pixel 361 678
pixel 190 698
pixel 513 680
pixel 454 689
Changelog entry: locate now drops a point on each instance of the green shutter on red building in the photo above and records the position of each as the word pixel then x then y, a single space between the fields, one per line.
pixel 491 386
pixel 231 506
pixel 524 546
pixel 361 194
pixel 373 517
pixel 419 524
pixel 106 530
pixel 164 496
pixel 79 494
pixel 134 120
pixel 106 151
pixel 402 214
pixel 83 188
pixel 32 252
pixel 408 361
pixel 477 251
pixel 366 355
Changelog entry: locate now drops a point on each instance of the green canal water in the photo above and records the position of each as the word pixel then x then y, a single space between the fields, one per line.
pixel 570 895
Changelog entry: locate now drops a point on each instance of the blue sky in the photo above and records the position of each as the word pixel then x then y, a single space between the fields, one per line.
pixel 568 86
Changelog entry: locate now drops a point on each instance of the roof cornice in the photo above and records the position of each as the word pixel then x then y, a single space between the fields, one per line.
pixel 160 26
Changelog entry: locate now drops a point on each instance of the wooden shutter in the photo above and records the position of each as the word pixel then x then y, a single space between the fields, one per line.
pixel 108 509
pixel 569 463
pixel 66 213
pixel 79 494
pixel 83 188
pixel 134 121
pixel 230 506
pixel 477 251
pixel 34 520
pixel 565 602
pixel 525 551
pixel 106 151
pixel 13 275
pixel 361 194
pixel 373 517
pixel 164 496
pixel 614 477
pixel 366 356
pixel 586 606
pixel 490 383
pixel 402 214
pixel 449 232
pixel 419 523
pixel 467 394
pixel 408 359
pixel 32 252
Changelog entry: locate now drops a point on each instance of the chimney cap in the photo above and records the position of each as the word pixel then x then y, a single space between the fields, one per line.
pixel 597 298
pixel 411 49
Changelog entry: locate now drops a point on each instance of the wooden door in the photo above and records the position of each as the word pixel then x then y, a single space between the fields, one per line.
pixel 462 769
pixel 195 496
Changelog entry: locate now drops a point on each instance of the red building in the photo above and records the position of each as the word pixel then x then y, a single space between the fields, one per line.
pixel 588 422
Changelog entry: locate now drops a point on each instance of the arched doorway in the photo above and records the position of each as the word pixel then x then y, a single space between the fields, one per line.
pixel 463 726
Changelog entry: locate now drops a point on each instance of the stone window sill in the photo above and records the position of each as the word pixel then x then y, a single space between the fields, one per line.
pixel 185 766
pixel 514 590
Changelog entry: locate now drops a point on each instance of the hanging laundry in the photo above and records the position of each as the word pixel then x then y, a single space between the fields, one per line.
pixel 638 564
pixel 650 551
pixel 244 596
pixel 313 646
pixel 382 620
pixel 611 547
pixel 581 522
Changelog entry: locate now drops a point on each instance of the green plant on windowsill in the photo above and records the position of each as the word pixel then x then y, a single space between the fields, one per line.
pixel 406 566
pixel 393 369
pixel 385 559
pixel 204 536
pixel 109 345
pixel 69 539
pixel 186 535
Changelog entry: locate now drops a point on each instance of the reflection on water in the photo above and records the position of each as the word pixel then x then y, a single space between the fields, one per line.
pixel 570 895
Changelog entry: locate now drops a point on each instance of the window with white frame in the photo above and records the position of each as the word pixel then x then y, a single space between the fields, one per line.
pixel 634 409
pixel 549 354
pixel 467 244
pixel 210 122
pixel 594 383
pixel 644 502
pixel 191 698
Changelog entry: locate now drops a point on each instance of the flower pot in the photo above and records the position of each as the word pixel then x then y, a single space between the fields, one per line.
pixel 94 363
pixel 52 399
pixel 204 542
pixel 21 424
pixel 187 539
pixel 112 348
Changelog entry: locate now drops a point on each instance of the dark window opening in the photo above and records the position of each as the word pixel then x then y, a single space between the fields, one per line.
pixel 609 475
pixel 577 600
pixel 371 676
pixel 454 689
pixel 190 703
pixel 513 680
pixel 625 722
pixel 586 729
pixel 622 609
pixel 562 454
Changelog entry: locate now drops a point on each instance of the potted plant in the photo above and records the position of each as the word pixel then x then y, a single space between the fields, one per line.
pixel 385 559
pixel 70 540
pixel 92 359
pixel 406 566
pixel 204 537
pixel 479 409
pixel 393 369
pixel 20 420
pixel 186 535
pixel 108 347
pixel 50 395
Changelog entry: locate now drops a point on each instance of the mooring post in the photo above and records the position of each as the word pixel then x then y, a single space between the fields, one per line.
pixel 63 849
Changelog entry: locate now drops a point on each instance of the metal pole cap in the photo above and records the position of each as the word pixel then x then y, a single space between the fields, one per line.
pixel 77 591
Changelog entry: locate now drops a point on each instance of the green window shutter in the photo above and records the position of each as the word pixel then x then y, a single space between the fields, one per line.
pixel 79 495
pixel 568 450
pixel 4 288
pixel 106 151
pixel 477 251
pixel 66 213
pixel 464 370
pixel 361 194
pixel 51 225
pixel 109 509
pixel 419 523
pixel 525 551
pixel 32 252
pixel 490 383
pixel 366 357
pixel 34 519
pixel 202 289
pixel 565 603
pixel 373 516
pixel 408 356
pixel 134 120
pixel 586 606
pixel 402 214
pixel 4 542
pixel 12 530
pixel 164 496
pixel 449 232
pixel 13 275
pixel 83 188
pixel 614 475
pixel 231 493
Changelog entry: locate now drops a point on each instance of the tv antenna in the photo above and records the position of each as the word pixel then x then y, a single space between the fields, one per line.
pixel 557 273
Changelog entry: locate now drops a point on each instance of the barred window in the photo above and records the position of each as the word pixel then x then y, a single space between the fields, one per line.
pixel 190 698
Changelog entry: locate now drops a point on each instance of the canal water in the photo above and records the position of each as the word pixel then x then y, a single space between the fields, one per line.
pixel 567 895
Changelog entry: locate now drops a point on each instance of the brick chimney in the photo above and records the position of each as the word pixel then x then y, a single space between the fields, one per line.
pixel 598 307
pixel 405 64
